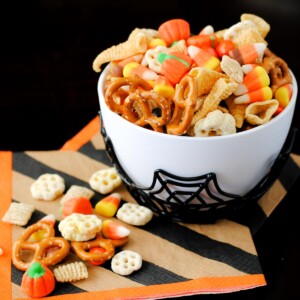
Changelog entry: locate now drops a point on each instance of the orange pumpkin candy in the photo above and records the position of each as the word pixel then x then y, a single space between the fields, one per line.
pixel 38 281
pixel 174 30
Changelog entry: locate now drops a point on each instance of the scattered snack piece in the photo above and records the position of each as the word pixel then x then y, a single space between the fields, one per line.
pixel 77 191
pixel 48 187
pixel 134 214
pixel 79 227
pixel 79 205
pixel 18 213
pixel 216 123
pixel 38 281
pixel 48 251
pixel 126 262
pixel 71 272
pixel 83 249
pixel 108 206
pixel 113 230
pixel 105 181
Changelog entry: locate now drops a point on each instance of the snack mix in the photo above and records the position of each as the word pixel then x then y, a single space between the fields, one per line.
pixel 173 82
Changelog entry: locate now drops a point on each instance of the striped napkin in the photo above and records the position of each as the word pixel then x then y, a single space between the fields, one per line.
pixel 178 259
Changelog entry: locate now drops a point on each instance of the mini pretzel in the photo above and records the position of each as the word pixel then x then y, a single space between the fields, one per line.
pixel 81 248
pixel 277 69
pixel 115 93
pixel 185 99
pixel 40 248
pixel 147 101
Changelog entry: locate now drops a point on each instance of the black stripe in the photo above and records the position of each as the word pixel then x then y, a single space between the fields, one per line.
pixel 30 167
pixel 289 173
pixel 97 154
pixel 252 216
pixel 205 246
pixel 60 288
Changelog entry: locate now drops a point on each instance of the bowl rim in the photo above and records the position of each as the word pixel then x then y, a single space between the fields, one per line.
pixel 290 106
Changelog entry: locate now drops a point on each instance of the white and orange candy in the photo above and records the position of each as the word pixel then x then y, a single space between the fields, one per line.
pixel 203 58
pixel 255 79
pixel 264 93
pixel 108 206
pixel 114 230
pixel 284 94
pixel 248 54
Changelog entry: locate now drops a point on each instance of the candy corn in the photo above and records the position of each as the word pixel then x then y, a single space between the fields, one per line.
pixel 134 68
pixel 262 94
pixel 174 65
pixel 108 206
pixel 163 86
pixel 41 234
pixel 114 230
pixel 203 58
pixel 207 30
pixel 283 94
pixel 80 205
pixel 255 79
pixel 248 54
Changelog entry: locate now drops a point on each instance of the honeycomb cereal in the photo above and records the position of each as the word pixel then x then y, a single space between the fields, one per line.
pixel 105 181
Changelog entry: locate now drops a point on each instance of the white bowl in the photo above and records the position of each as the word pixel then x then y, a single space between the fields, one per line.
pixel 239 160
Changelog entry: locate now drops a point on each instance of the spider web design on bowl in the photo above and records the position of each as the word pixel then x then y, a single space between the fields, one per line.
pixel 199 198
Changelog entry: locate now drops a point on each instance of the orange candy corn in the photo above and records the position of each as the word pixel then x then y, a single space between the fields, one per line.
pixel 174 65
pixel 114 230
pixel 262 94
pixel 163 86
pixel 79 205
pixel 283 94
pixel 41 234
pixel 203 40
pixel 248 54
pixel 134 68
pixel 255 79
pixel 108 206
pixel 203 58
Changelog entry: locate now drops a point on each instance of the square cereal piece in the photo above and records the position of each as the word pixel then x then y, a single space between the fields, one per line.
pixel 77 191
pixel 18 213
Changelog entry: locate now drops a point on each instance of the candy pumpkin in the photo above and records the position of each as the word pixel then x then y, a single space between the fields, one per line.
pixel 38 281
pixel 174 30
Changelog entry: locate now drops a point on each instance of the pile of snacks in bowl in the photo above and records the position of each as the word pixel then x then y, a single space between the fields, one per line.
pixel 196 120
pixel 210 84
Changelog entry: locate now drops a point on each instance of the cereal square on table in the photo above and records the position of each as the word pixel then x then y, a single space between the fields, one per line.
pixel 19 213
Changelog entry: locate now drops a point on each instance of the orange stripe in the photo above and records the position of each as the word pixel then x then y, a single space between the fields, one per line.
pixel 83 136
pixel 208 285
pixel 5 228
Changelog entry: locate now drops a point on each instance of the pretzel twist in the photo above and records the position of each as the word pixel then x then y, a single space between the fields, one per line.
pixel 117 91
pixel 82 248
pixel 40 248
pixel 146 102
pixel 277 69
pixel 185 99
